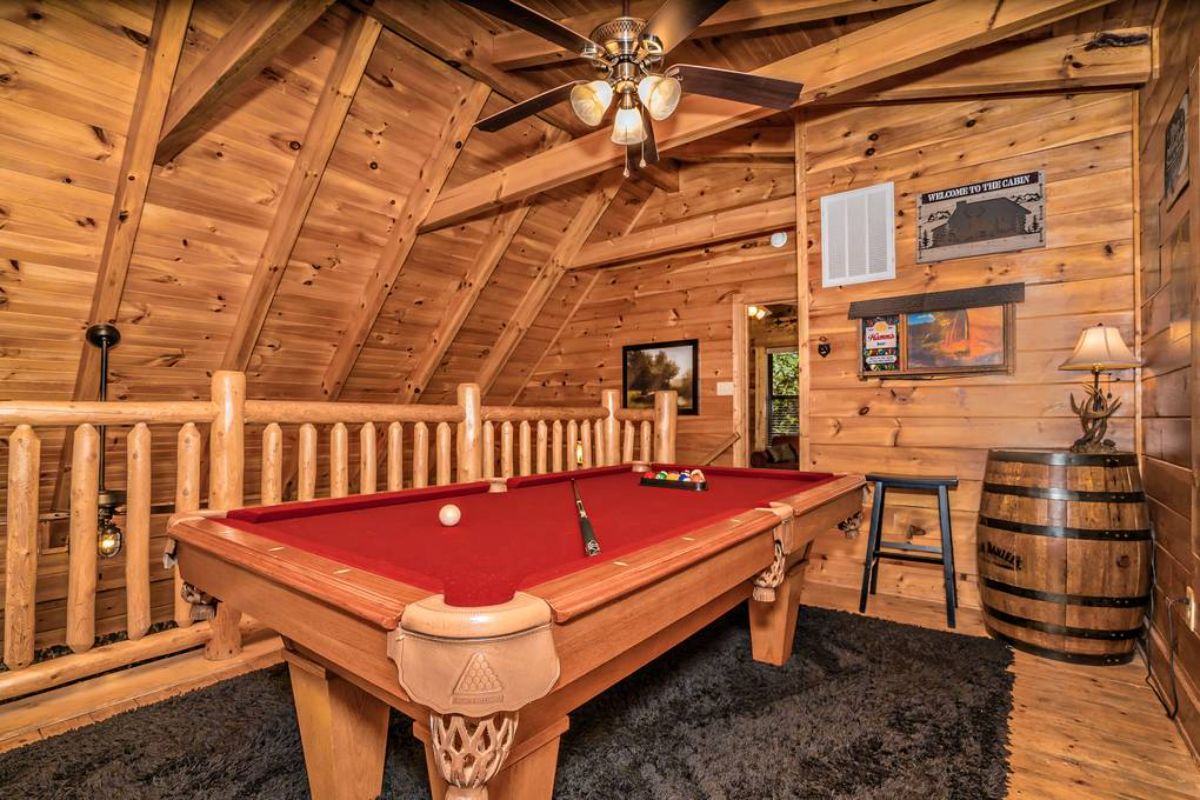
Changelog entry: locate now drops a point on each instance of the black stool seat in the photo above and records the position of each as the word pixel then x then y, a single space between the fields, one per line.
pixel 878 548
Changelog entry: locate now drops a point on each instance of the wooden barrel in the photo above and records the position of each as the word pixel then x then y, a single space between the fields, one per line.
pixel 1064 553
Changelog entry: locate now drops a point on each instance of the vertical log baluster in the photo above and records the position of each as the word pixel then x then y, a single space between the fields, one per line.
pixel 420 456
pixel 272 465
pixel 506 450
pixel 526 438
pixel 339 460
pixel 556 446
pixel 20 559
pixel 573 460
pixel 627 445
pixel 542 432
pixel 187 498
pixel 395 456
pixel 599 444
pixel 645 453
pixel 469 448
pixel 368 461
pixel 666 409
pixel 306 485
pixel 585 436
pixel 444 443
pixel 81 578
pixel 611 400
pixel 137 532
pixel 489 450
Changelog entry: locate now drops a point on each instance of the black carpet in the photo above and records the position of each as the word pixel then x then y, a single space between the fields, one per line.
pixel 865 709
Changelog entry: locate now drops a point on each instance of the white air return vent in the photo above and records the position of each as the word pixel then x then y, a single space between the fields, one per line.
pixel 858 242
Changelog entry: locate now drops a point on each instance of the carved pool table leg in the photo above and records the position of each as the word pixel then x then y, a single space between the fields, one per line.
pixel 469 751
pixel 344 732
pixel 773 622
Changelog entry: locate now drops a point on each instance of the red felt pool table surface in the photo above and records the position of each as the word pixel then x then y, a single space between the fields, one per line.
pixel 515 539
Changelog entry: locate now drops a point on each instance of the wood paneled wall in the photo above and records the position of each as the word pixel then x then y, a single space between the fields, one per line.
pixel 1170 312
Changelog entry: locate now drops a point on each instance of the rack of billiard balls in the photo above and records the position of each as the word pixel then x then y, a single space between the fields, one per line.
pixel 692 480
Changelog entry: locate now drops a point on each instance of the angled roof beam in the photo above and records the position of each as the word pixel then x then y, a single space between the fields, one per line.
pixel 358 42
pixel 403 236
pixel 257 36
pixel 516 49
pixel 539 291
pixel 904 42
pixel 691 233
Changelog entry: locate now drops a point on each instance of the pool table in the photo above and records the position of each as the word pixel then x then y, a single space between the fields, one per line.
pixel 501 619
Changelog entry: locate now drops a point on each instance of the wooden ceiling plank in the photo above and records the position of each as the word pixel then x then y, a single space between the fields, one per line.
pixel 341 84
pixel 905 42
pixel 517 49
pixel 264 29
pixel 691 233
pixel 547 278
pixel 403 236
pixel 447 32
pixel 537 363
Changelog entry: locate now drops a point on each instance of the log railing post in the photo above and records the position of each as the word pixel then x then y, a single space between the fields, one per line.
pixel 20 559
pixel 187 498
pixel 470 432
pixel 443 446
pixel 81 556
pixel 226 489
pixel 666 411
pixel 272 465
pixel 137 532
pixel 611 400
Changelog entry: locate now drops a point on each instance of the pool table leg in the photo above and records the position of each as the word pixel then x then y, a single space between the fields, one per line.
pixel 526 774
pixel 773 622
pixel 344 732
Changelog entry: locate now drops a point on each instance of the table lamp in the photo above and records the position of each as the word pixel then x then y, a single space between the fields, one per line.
pixel 1100 349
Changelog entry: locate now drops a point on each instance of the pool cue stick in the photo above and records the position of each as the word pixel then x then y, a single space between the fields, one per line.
pixel 590 545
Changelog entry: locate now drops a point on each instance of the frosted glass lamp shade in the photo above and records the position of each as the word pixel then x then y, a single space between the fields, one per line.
pixel 1100 348
pixel 660 95
pixel 590 100
pixel 628 127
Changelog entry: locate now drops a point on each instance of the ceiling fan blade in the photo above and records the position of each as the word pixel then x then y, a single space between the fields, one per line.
pixel 526 108
pixel 676 19
pixel 537 24
pixel 741 86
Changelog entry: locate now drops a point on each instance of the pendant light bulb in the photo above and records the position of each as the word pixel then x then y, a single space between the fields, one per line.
pixel 590 100
pixel 660 95
pixel 628 127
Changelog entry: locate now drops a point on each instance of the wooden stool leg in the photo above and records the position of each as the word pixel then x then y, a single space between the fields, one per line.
pixel 344 731
pixel 871 564
pixel 773 624
pixel 947 553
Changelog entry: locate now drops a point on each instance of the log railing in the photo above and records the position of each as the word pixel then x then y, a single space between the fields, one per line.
pixel 398 446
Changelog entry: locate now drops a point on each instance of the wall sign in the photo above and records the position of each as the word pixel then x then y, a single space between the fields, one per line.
pixel 994 216
pixel 880 343
pixel 1175 154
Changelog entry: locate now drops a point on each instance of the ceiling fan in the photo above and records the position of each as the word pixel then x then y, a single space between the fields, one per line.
pixel 629 52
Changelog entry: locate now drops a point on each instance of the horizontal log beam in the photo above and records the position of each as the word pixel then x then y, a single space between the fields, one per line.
pixel 720 226
pixel 875 53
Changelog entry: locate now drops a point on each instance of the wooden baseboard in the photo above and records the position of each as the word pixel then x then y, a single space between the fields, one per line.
pixel 50 713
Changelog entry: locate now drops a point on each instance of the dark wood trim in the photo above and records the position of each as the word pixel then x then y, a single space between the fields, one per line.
pixel 978 297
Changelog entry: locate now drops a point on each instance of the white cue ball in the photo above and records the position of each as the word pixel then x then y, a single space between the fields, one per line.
pixel 449 515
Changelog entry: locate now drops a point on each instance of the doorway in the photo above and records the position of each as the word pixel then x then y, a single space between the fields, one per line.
pixel 766 384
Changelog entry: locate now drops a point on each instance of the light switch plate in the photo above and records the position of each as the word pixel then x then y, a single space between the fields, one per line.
pixel 724 388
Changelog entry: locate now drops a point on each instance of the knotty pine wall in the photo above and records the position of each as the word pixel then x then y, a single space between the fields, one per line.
pixel 1170 262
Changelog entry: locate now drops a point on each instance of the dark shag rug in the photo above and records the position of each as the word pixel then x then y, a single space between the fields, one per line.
pixel 865 709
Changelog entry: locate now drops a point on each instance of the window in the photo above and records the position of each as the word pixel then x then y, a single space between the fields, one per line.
pixel 783 399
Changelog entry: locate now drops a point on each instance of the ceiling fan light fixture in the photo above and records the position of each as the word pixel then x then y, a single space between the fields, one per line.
pixel 590 100
pixel 628 127
pixel 660 95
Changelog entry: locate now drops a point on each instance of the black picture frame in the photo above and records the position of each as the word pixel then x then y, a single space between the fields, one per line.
pixel 689 390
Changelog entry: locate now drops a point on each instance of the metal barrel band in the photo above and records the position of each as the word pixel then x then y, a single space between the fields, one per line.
pixel 1086 659
pixel 1064 532
pixel 1053 493
pixel 1061 459
pixel 1065 630
pixel 1090 601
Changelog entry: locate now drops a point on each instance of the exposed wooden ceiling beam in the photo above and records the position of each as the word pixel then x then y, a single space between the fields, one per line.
pixel 446 31
pixel 663 175
pixel 257 36
pixel 902 43
pixel 539 291
pixel 129 199
pixel 1103 59
pixel 341 84
pixel 515 49
pixel 706 229
pixel 403 236
pixel 499 236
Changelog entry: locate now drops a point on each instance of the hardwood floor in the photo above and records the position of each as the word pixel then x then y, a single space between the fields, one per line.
pixel 1077 732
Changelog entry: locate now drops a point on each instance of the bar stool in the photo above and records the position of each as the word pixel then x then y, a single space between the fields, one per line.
pixel 907 551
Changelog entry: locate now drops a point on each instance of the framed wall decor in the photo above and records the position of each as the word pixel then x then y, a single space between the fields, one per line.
pixel 1175 154
pixel 969 331
pixel 993 216
pixel 657 366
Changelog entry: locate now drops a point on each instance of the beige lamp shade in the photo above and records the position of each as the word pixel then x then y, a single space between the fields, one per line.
pixel 1100 348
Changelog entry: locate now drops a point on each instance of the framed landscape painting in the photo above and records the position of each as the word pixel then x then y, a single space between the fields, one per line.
pixel 658 366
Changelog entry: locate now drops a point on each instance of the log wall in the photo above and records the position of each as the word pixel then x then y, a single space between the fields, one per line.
pixel 1170 314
